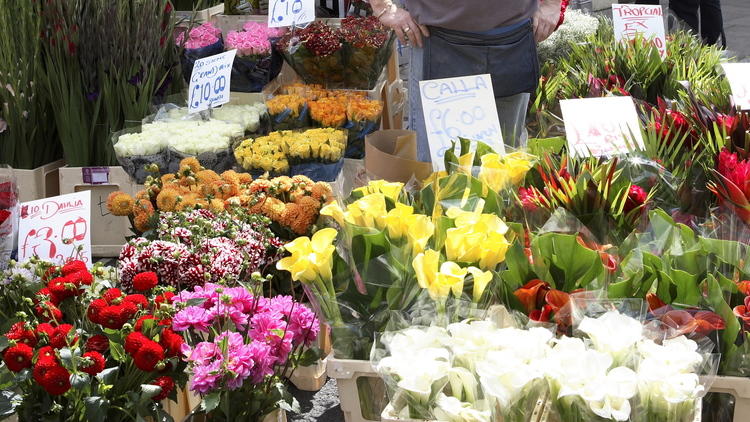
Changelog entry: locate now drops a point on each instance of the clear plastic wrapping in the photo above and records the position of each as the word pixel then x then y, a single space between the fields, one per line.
pixel 8 215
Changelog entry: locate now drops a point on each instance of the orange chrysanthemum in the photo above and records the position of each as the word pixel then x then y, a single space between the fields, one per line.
pixel 191 163
pixel 120 203
pixel 168 199
pixel 321 191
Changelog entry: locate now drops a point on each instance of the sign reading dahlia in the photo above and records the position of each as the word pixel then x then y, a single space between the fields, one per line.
pixel 601 126
pixel 57 228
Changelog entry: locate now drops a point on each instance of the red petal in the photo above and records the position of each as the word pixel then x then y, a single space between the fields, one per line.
pixel 531 294
pixel 556 299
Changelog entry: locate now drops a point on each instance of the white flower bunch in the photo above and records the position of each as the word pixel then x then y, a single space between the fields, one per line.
pixel 185 136
pixel 247 116
pixel 575 29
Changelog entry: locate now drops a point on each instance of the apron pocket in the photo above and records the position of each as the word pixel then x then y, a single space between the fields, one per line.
pixel 446 59
pixel 514 67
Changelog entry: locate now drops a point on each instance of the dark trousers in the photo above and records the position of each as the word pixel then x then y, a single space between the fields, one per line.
pixel 711 21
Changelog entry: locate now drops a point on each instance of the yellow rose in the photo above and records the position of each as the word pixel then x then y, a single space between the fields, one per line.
pixel 311 258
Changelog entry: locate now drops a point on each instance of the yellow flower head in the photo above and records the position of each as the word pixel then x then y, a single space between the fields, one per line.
pixel 481 280
pixel 334 211
pixel 420 231
pixel 398 220
pixel 502 172
pixel 389 189
pixel 369 211
pixel 476 238
pixel 168 199
pixel 120 203
pixel 439 283
pixel 310 258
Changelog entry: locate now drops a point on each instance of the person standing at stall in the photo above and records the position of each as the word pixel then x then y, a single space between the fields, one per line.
pixel 451 38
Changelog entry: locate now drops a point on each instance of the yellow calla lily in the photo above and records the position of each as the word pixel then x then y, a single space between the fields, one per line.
pixel 465 163
pixel 419 231
pixel 311 258
pixel 389 189
pixel 451 276
pixel 426 267
pixel 501 172
pixel 481 280
pixel 368 211
pixel 397 220
pixel 334 211
pixel 494 249
pixel 476 238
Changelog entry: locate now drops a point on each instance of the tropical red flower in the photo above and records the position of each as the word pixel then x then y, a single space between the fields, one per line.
pixel 145 281
pixel 95 310
pixel 56 380
pixel 112 296
pixel 97 343
pixel 732 184
pixel 96 365
pixel 532 294
pixel 743 312
pixel 744 287
pixel 637 196
pixel 166 384
pixel 148 356
pixel 20 333
pixel 59 338
pixel 74 267
pixel 18 357
pixel 134 341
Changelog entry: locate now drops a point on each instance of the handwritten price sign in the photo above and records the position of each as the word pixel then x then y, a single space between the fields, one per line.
pixel 290 12
pixel 601 126
pixel 210 81
pixel 632 19
pixel 462 107
pixel 54 228
pixel 738 75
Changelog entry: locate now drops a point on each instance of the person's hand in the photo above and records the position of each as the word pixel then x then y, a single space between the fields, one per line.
pixel 406 28
pixel 545 19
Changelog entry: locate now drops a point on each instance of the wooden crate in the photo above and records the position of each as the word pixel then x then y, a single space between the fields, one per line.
pixel 108 231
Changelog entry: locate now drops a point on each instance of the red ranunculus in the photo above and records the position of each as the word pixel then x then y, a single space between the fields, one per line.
pixel 42 365
pixel 45 329
pixel 45 294
pixel 81 278
pixel 113 317
pixel 171 341
pixel 74 267
pixel 166 384
pixel 47 352
pixel 138 300
pixel 148 356
pixel 96 365
pixel 164 298
pixel 145 281
pixel 62 288
pixel 22 334
pixel 95 310
pixel 112 296
pixel 134 341
pixel 139 324
pixel 47 311
pixel 60 337
pixel 18 357
pixel 56 380
pixel 97 343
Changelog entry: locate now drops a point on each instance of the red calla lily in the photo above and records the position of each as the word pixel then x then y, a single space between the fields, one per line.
pixel 532 294
pixel 743 312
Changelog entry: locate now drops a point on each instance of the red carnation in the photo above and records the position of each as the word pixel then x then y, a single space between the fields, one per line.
pixel 636 197
pixel 139 324
pixel 97 343
pixel 56 380
pixel 46 329
pixel 48 311
pixel 166 384
pixel 59 338
pixel 113 317
pixel 150 354
pixel 95 310
pixel 18 357
pixel 138 300
pixel 145 281
pixel 112 295
pixel 21 334
pixel 43 364
pixel 134 341
pixel 46 294
pixel 96 365
pixel 171 341
pixel 164 298
pixel 73 267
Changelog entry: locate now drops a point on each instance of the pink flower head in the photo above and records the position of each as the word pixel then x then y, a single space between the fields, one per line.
pixel 303 325
pixel 192 317
pixel 202 354
pixel 206 378
pixel 201 36
pixel 264 360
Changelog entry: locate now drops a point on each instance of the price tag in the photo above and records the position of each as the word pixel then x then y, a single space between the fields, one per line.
pixel 738 75
pixel 290 12
pixel 459 107
pixel 632 19
pixel 54 228
pixel 601 126
pixel 210 81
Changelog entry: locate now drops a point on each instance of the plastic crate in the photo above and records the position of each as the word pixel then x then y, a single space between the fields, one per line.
pixel 39 183
pixel 355 379
pixel 739 387
pixel 108 231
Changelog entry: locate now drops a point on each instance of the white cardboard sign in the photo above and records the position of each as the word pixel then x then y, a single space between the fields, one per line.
pixel 632 19
pixel 601 126
pixel 210 81
pixel 290 12
pixel 738 75
pixel 54 228
pixel 459 107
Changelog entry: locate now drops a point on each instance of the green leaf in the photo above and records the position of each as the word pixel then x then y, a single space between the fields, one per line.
pixel 196 302
pixel 310 357
pixel 687 288
pixel 149 391
pixel 79 381
pixel 9 401
pixel 108 375
pixel 732 327
pixel 4 342
pixel 117 351
pixel 210 402
pixel 96 408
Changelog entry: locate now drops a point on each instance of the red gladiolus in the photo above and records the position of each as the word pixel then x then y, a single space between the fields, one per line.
pixel 18 357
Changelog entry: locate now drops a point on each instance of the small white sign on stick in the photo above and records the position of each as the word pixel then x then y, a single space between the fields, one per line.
pixel 459 107
pixel 290 12
pixel 738 75
pixel 210 81
pixel 632 19
pixel 601 126
pixel 54 228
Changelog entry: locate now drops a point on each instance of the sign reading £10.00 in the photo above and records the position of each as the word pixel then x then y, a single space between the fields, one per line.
pixel 56 229
pixel 630 20
pixel 210 81
pixel 290 12
pixel 459 107
pixel 601 126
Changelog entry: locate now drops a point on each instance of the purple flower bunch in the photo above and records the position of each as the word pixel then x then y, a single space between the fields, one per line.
pixel 253 40
pixel 198 246
pixel 200 36
pixel 256 335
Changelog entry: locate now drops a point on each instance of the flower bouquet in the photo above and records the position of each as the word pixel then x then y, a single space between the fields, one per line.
pixel 317 54
pixel 8 215
pixel 328 112
pixel 368 45
pixel 363 118
pixel 255 63
pixel 253 118
pixel 79 349
pixel 288 112
pixel 238 346
pixel 262 155
pixel 202 41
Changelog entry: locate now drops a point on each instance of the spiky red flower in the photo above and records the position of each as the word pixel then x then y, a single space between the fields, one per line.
pixel 166 384
pixel 18 357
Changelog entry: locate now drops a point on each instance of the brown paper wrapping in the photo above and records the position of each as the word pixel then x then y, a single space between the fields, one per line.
pixel 392 155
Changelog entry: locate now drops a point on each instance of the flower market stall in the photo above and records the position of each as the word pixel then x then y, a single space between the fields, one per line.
pixel 249 250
